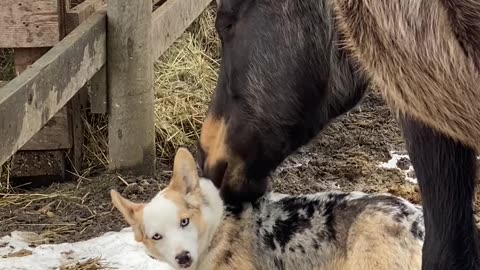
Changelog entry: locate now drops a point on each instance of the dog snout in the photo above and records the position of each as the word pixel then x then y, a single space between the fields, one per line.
pixel 184 259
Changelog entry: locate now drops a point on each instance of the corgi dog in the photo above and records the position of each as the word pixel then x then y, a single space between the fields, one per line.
pixel 187 226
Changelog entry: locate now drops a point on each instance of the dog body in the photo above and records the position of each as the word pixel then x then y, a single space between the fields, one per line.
pixel 187 226
pixel 330 230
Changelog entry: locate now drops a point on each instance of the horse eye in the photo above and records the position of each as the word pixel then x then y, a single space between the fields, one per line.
pixel 226 27
pixel 157 237
pixel 184 222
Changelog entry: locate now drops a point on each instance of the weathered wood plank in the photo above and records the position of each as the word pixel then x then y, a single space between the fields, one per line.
pixel 25 57
pixel 76 15
pixel 130 82
pixel 76 106
pixel 33 98
pixel 171 19
pixel 75 122
pixel 27 23
pixel 98 94
pixel 55 134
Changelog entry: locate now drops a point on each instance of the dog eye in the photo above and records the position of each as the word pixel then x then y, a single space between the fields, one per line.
pixel 157 237
pixel 184 222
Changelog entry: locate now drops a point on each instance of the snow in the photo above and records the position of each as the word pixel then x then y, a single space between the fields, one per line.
pixel 392 164
pixel 117 250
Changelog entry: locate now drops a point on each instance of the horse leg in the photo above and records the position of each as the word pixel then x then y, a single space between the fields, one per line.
pixel 446 172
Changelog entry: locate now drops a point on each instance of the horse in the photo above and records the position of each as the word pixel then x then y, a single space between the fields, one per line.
pixel 289 67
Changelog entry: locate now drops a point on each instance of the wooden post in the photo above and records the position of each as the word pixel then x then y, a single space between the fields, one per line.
pixel 130 87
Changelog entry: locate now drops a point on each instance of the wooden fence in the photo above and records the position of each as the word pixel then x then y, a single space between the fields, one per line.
pixel 113 46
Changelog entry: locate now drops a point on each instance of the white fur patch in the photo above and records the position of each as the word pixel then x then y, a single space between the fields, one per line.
pixel 160 216
pixel 274 196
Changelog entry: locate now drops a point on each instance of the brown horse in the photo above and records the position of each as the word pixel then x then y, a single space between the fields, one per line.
pixel 291 66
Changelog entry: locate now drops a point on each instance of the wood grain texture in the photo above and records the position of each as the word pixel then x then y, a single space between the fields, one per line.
pixel 98 92
pixel 171 19
pixel 76 106
pixel 55 134
pixel 33 98
pixel 25 57
pixel 130 87
pixel 76 15
pixel 28 23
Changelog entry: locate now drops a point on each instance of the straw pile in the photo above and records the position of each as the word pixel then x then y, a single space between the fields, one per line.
pixel 91 264
pixel 184 80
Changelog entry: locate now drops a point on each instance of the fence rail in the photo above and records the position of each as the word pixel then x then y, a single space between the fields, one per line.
pixel 31 99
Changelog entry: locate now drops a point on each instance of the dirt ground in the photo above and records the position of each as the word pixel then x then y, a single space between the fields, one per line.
pixel 345 156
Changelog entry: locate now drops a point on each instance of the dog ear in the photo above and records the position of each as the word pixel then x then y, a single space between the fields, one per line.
pixel 185 177
pixel 130 210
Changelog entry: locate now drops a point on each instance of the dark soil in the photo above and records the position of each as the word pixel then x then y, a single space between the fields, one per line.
pixel 345 156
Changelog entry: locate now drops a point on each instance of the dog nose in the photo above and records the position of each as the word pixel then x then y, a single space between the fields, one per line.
pixel 184 259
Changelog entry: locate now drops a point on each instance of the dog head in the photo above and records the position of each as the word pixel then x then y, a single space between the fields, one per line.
pixel 174 226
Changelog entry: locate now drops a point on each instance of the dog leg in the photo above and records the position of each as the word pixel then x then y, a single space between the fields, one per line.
pixel 446 172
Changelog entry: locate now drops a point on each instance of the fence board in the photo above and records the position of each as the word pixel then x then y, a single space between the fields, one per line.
pixel 171 19
pixel 81 12
pixel 27 23
pixel 33 98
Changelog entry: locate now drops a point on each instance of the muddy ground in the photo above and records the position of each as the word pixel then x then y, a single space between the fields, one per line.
pixel 345 156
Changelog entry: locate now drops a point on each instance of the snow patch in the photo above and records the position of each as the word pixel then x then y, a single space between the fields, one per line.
pixel 117 250
pixel 392 164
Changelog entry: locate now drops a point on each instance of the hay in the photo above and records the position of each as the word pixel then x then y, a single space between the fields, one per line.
pixel 95 148
pixel 90 264
pixel 5 177
pixel 184 81
pixel 24 200
pixel 185 77
pixel 7 68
